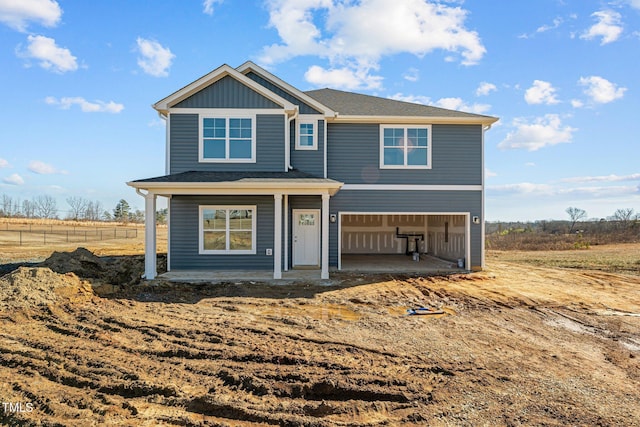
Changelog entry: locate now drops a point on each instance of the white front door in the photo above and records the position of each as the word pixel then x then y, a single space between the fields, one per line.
pixel 306 237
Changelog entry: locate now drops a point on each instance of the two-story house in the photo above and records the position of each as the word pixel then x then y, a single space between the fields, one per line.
pixel 263 176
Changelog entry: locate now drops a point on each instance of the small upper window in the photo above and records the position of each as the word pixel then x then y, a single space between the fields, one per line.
pixel 227 139
pixel 307 138
pixel 405 147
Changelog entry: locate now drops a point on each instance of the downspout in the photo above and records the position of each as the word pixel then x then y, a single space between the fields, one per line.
pixel 167 153
pixel 287 154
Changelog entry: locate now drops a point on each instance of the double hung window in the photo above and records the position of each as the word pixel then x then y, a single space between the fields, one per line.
pixel 227 229
pixel 307 138
pixel 227 139
pixel 405 147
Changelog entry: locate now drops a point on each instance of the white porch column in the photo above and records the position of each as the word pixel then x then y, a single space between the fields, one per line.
pixel 324 272
pixel 277 236
pixel 150 236
pixel 286 232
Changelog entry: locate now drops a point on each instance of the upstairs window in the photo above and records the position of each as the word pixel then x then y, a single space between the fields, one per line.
pixel 307 138
pixel 405 147
pixel 227 139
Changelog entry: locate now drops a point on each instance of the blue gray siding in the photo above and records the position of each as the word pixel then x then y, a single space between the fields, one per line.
pixel 270 146
pixel 227 93
pixel 309 161
pixel 407 201
pixel 185 228
pixel 353 156
pixel 303 108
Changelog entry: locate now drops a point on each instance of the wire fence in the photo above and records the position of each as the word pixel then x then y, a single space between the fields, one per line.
pixel 14 234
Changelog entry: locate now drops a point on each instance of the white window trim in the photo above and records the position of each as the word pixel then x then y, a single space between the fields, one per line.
pixel 254 215
pixel 405 127
pixel 307 119
pixel 226 114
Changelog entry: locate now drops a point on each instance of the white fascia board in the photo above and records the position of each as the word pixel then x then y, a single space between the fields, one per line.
pixel 250 66
pixel 487 121
pixel 238 188
pixel 411 187
pixel 215 75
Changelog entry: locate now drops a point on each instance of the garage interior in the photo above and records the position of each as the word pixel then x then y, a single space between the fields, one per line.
pixel 413 242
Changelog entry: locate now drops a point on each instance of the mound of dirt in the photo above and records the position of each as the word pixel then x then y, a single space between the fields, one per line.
pixel 82 262
pixel 126 270
pixel 32 287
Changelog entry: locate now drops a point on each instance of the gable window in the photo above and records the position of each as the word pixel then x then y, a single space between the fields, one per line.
pixel 307 135
pixel 227 230
pixel 405 147
pixel 227 139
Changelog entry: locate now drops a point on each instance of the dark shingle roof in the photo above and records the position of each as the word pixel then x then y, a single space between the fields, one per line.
pixel 198 176
pixel 356 104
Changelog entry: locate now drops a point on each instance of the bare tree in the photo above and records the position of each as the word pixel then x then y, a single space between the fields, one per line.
pixel 576 214
pixel 46 207
pixel 623 217
pixel 6 206
pixel 78 206
pixel 28 208
pixel 93 211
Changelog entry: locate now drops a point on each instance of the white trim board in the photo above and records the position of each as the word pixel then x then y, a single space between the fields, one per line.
pixel 412 187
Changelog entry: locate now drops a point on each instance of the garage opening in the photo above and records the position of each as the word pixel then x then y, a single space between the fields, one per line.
pixel 408 242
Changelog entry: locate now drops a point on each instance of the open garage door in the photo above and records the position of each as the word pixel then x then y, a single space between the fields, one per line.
pixel 403 241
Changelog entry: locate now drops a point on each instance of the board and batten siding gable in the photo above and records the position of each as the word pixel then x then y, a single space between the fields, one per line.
pixel 184 145
pixel 227 93
pixel 353 156
pixel 432 202
pixel 303 108
pixel 309 161
pixel 184 244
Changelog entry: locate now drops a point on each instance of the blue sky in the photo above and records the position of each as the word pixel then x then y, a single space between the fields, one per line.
pixel 78 79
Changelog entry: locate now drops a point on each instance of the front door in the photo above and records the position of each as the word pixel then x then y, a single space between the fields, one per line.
pixel 306 237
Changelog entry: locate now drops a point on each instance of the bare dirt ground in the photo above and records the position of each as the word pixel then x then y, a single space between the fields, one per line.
pixel 537 340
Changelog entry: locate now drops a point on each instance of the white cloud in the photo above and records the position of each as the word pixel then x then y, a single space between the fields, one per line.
pixel 635 4
pixel 207 5
pixel 412 75
pixel 356 35
pixel 576 103
pixel 13 179
pixel 18 13
pixel 600 90
pixel 542 132
pixel 485 88
pixel 460 105
pixel 603 178
pixel 541 93
pixel 343 78
pixel 488 173
pixel 544 28
pixel 86 106
pixel 42 168
pixel 51 56
pixel 3 163
pixel 530 164
pixel 608 26
pixel 449 103
pixel 154 59
pixel 523 188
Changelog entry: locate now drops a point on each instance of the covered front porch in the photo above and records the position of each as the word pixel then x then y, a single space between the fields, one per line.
pixel 228 186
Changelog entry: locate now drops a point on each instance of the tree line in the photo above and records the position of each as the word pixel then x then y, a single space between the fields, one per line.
pixel 79 209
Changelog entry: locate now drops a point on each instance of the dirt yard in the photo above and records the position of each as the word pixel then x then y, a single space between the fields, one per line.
pixel 537 340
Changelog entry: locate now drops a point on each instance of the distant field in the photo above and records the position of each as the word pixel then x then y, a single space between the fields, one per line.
pixel 619 258
pixel 35 239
